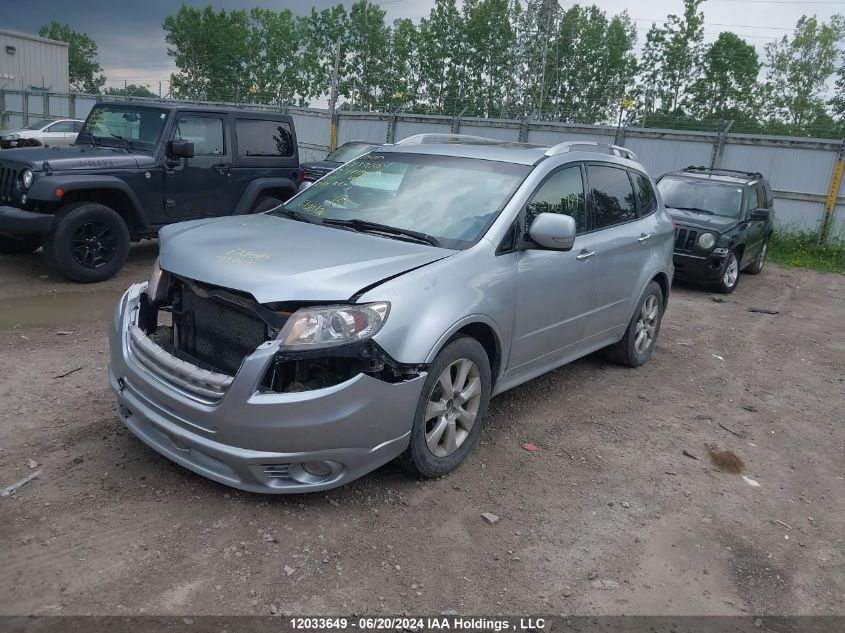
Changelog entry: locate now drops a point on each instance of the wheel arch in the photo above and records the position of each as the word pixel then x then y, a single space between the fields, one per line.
pixel 281 188
pixel 106 190
pixel 482 329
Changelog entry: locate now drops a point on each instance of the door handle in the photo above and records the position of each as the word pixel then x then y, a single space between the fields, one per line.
pixel 584 255
pixel 643 237
pixel 222 168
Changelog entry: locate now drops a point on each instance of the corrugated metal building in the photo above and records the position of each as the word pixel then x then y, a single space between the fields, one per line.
pixel 32 63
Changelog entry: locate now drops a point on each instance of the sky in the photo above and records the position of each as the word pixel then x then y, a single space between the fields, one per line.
pixel 132 48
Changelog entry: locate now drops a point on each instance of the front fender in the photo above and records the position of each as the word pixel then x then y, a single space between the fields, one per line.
pixel 45 189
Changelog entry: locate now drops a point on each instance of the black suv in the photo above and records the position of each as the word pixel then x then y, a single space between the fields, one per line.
pixel 724 221
pixel 135 168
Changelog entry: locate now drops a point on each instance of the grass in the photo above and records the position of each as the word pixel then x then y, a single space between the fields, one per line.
pixel 803 250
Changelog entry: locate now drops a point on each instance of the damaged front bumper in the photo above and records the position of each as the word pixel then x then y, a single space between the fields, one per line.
pixel 229 430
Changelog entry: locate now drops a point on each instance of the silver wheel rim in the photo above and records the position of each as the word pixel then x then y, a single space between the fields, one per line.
pixel 452 407
pixel 762 259
pixel 646 324
pixel 731 272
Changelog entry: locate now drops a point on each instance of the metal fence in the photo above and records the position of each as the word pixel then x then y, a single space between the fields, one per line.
pixel 805 173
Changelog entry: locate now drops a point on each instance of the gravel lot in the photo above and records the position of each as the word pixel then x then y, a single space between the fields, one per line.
pixel 607 516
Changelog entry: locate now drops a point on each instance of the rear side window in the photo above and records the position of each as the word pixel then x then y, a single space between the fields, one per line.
pixel 612 195
pixel 206 133
pixel 562 193
pixel 62 126
pixel 77 125
pixel 646 199
pixel 263 138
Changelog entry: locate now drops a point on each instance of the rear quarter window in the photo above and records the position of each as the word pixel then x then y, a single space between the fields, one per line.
pixel 644 190
pixel 263 138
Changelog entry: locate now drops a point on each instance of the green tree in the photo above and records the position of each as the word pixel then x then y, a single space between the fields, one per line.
pixel 132 90
pixel 728 88
pixel 322 30
pixel 367 40
pixel 489 56
pixel 670 62
pixel 403 79
pixel 800 67
pixel 595 64
pixel 276 69
pixel 441 54
pixel 536 67
pixel 211 51
pixel 838 102
pixel 84 72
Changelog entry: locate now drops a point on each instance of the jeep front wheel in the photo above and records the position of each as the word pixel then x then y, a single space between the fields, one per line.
pixel 265 204
pixel 19 244
pixel 89 242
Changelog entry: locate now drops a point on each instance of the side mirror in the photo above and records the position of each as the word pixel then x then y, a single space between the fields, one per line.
pixel 553 231
pixel 180 149
pixel 760 214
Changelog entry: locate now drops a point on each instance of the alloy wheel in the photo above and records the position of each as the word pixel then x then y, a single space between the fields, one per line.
pixel 452 407
pixel 646 324
pixel 731 272
pixel 93 244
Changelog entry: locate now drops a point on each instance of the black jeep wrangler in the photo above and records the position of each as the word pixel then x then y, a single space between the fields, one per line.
pixel 724 221
pixel 135 168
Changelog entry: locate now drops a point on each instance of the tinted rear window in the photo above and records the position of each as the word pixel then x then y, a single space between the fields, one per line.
pixel 257 137
pixel 646 199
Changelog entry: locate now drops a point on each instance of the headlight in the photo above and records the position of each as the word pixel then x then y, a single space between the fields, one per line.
pixel 707 240
pixel 12 137
pixel 329 326
pixel 159 283
pixel 26 178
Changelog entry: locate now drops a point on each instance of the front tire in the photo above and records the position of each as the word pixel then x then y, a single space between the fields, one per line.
pixel 640 337
pixel 19 244
pixel 730 278
pixel 89 242
pixel 451 409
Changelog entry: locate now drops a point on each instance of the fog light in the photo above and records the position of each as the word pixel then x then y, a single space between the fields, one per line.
pixel 318 469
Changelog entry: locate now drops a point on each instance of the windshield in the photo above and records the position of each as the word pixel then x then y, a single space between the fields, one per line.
pixel 718 199
pixel 38 124
pixel 347 152
pixel 451 199
pixel 123 126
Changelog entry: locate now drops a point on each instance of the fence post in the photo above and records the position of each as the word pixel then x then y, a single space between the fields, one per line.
pixel 391 128
pixel 523 131
pixel 71 105
pixel 335 123
pixel 46 104
pixel 619 139
pixel 719 144
pixel 25 108
pixel 832 194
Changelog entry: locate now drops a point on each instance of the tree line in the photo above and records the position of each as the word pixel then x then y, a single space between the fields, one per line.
pixel 517 59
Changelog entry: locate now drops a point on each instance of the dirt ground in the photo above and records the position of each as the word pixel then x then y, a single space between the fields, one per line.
pixel 607 516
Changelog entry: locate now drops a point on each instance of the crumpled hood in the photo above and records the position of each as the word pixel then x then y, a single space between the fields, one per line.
pixel 77 157
pixel 277 259
pixel 717 223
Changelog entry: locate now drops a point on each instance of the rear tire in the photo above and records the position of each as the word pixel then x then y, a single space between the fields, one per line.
pixel 454 396
pixel 265 204
pixel 640 337
pixel 19 244
pixel 89 242
pixel 757 266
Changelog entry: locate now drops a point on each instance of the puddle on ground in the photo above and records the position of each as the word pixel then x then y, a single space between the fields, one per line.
pixel 61 309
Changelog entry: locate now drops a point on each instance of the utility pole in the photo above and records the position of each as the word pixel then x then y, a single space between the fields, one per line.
pixel 333 97
pixel 545 57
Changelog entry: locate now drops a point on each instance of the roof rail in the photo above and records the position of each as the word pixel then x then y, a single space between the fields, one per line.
pixel 591 146
pixel 459 139
pixel 723 172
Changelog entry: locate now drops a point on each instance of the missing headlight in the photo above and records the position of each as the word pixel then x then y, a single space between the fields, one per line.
pixel 305 371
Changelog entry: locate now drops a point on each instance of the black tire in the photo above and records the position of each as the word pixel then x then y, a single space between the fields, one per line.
pixel 265 204
pixel 19 244
pixel 419 458
pixel 627 351
pixel 727 283
pixel 756 266
pixel 89 242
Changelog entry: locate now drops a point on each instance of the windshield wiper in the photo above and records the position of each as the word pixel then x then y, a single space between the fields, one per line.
pixel 364 225
pixel 694 210
pixel 127 144
pixel 296 215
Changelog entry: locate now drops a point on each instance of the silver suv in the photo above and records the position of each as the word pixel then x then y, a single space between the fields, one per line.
pixel 375 314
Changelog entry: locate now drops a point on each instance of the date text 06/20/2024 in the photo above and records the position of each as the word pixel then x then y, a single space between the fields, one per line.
pixel 436 623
